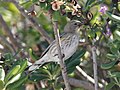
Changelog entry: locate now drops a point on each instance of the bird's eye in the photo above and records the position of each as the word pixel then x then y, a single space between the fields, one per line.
pixel 75 23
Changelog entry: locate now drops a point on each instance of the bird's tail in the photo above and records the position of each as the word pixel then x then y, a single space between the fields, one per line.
pixel 36 65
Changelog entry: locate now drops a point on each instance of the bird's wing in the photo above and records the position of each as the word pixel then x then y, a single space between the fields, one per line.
pixel 46 50
pixel 49 56
pixel 62 35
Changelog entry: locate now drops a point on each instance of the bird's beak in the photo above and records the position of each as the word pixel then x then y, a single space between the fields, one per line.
pixel 81 23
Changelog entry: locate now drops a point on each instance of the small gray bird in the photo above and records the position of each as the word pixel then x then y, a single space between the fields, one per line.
pixel 69 43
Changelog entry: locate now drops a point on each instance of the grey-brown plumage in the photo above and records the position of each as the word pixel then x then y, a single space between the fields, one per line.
pixel 69 44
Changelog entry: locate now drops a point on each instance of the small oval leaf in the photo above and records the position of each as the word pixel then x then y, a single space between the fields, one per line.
pixel 113 17
pixel 2 73
pixel 15 78
pixel 23 66
pixel 12 72
pixel 108 65
pixel 111 56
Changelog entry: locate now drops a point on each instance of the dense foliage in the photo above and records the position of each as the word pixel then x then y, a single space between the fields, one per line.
pixel 21 41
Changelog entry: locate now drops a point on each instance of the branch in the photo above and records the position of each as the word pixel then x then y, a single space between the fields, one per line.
pixel 95 66
pixel 2 39
pixel 80 83
pixel 32 20
pixel 62 64
pixel 87 76
pixel 9 33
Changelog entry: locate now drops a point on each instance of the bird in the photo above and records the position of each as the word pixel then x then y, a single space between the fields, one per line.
pixel 69 44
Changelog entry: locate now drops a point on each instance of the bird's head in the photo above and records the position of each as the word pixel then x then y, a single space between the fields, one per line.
pixel 72 26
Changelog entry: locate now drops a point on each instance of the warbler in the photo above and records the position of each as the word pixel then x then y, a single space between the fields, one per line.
pixel 69 44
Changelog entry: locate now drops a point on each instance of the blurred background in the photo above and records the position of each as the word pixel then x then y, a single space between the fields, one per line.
pixel 26 30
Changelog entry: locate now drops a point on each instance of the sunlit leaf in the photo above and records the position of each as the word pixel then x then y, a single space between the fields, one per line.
pixel 2 73
pixel 17 83
pixel 113 17
pixel 12 72
pixel 119 6
pixel 11 7
pixel 32 55
pixel 23 66
pixel 15 78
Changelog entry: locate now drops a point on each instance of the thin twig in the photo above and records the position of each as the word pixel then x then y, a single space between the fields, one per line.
pixel 62 64
pixel 9 33
pixel 83 43
pixel 32 20
pixel 87 76
pixel 95 65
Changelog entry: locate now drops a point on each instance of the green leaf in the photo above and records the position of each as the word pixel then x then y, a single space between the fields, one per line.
pixel 114 49
pixel 38 77
pixel 11 7
pixel 15 78
pixel 8 56
pixel 17 83
pixel 27 4
pixel 56 15
pixel 1 85
pixel 108 65
pixel 111 56
pixel 34 1
pixel 32 55
pixel 40 74
pixel 23 66
pixel 96 3
pixel 113 17
pixel 117 35
pixel 119 6
pixel 91 33
pixel 12 72
pixel 115 74
pixel 74 61
pixel 88 3
pixel 2 73
pixel 109 86
pixel 43 5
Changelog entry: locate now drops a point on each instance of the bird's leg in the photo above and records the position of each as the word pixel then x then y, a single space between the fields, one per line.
pixel 63 55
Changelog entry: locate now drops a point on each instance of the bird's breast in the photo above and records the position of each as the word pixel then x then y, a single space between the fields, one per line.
pixel 69 47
